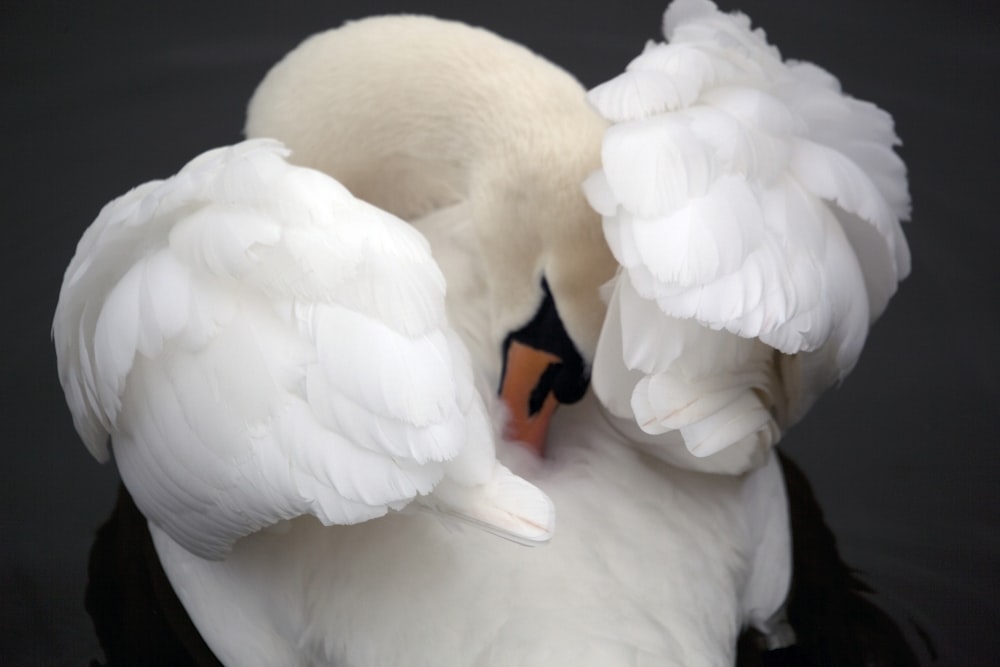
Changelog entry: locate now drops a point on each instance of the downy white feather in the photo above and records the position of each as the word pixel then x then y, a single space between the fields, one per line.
pixel 752 207
pixel 260 345
pixel 453 121
pixel 651 565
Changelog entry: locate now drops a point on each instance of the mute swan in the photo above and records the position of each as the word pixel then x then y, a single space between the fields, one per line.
pixel 480 142
pixel 652 563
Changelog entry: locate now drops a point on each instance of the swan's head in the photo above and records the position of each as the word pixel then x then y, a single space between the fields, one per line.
pixel 545 259
pixel 525 270
pixel 483 146
pixel 542 368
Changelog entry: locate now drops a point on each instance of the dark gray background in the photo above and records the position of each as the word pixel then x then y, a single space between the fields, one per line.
pixel 99 97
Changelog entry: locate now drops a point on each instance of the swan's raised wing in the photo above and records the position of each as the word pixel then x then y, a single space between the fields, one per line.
pixel 259 345
pixel 755 210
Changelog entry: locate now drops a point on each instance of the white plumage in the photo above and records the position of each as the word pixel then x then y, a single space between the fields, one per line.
pixel 755 211
pixel 261 345
pixel 455 122
pixel 265 349
pixel 649 565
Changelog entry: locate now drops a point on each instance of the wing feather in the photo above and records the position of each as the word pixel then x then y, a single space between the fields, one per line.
pixel 259 344
pixel 755 210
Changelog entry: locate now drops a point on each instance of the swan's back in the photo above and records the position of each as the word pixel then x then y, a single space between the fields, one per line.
pixel 614 587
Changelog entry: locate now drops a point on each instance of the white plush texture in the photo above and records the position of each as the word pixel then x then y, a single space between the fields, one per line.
pixel 755 210
pixel 419 115
pixel 259 345
pixel 650 565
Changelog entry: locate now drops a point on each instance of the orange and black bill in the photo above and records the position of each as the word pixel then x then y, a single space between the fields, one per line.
pixel 542 368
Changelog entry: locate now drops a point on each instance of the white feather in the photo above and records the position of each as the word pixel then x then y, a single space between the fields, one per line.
pixel 761 204
pixel 639 93
pixel 651 565
pixel 268 346
pixel 653 166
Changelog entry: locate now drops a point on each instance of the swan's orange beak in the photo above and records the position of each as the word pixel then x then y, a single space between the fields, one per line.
pixel 530 401
pixel 542 368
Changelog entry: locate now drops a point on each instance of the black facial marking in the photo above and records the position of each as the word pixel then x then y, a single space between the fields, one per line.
pixel 542 389
pixel 567 380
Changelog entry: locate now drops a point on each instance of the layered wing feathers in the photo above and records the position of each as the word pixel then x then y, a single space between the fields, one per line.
pixel 751 197
pixel 259 344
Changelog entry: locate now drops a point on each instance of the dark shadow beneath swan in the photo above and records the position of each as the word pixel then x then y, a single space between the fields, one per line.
pixel 836 623
pixel 137 616
pixel 140 621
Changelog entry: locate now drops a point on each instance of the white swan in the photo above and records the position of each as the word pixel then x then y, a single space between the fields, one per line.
pixel 479 142
pixel 651 564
